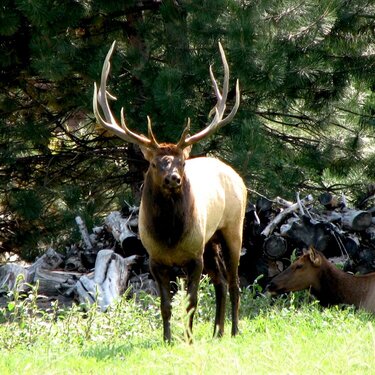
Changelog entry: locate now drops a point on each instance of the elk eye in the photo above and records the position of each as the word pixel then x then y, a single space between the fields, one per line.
pixel 165 163
pixel 153 165
pixel 299 266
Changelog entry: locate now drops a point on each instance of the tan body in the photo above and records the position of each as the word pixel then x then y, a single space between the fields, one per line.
pixel 219 196
pixel 327 283
pixel 183 224
pixel 192 210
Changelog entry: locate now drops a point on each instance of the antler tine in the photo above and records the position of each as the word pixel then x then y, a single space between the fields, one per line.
pixel 181 142
pixel 101 96
pixel 219 109
pixel 151 133
pixel 139 139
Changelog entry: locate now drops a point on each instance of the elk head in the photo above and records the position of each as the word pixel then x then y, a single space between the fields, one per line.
pixel 166 160
pixel 301 274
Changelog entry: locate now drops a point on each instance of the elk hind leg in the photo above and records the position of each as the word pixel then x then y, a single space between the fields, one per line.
pixel 231 249
pixel 215 268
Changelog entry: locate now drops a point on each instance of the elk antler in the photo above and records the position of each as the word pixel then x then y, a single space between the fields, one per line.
pixel 219 109
pixel 101 97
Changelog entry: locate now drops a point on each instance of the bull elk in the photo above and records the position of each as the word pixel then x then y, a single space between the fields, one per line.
pixel 328 284
pixel 188 207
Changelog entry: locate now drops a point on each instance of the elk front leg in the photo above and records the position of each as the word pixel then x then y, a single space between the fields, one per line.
pixel 162 276
pixel 194 272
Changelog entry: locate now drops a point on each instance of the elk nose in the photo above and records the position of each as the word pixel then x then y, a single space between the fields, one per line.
pixel 272 289
pixel 173 180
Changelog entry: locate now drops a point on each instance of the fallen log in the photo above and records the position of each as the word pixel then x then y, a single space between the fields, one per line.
pixel 283 202
pixel 356 220
pixel 263 204
pixel 370 234
pixel 351 244
pixel 73 263
pixel 51 282
pixel 109 280
pixel 307 232
pixel 84 232
pixel 119 227
pixel 329 201
pixel 50 260
pixel 331 216
pixel 365 260
pixel 14 275
pixel 283 214
pixel 8 277
pixel 275 246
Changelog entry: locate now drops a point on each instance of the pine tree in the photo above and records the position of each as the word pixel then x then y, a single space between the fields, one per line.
pixel 306 72
pixel 306 120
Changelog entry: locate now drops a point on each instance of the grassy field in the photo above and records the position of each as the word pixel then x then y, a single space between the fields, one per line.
pixel 286 336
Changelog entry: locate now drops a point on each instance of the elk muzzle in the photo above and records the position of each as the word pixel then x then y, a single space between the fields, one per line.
pixel 273 289
pixel 173 181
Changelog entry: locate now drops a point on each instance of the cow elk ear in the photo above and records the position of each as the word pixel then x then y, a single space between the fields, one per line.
pixel 314 257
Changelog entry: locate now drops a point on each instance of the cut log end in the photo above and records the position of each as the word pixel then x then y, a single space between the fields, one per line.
pixel 356 220
pixel 275 247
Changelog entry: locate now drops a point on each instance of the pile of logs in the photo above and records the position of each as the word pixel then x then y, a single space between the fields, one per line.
pixel 276 230
pixel 112 259
pixel 97 270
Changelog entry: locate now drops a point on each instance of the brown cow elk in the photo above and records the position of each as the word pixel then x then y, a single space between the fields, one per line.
pixel 330 285
pixel 187 207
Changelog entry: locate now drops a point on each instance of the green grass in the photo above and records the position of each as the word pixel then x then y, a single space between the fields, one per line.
pixel 287 336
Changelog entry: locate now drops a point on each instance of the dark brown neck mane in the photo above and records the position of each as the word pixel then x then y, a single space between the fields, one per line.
pixel 169 215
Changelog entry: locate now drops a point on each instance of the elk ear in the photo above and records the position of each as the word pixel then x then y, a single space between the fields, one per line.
pixel 314 257
pixel 147 153
pixel 187 151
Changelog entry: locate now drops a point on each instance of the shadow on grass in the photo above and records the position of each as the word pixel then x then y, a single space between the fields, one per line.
pixel 121 350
